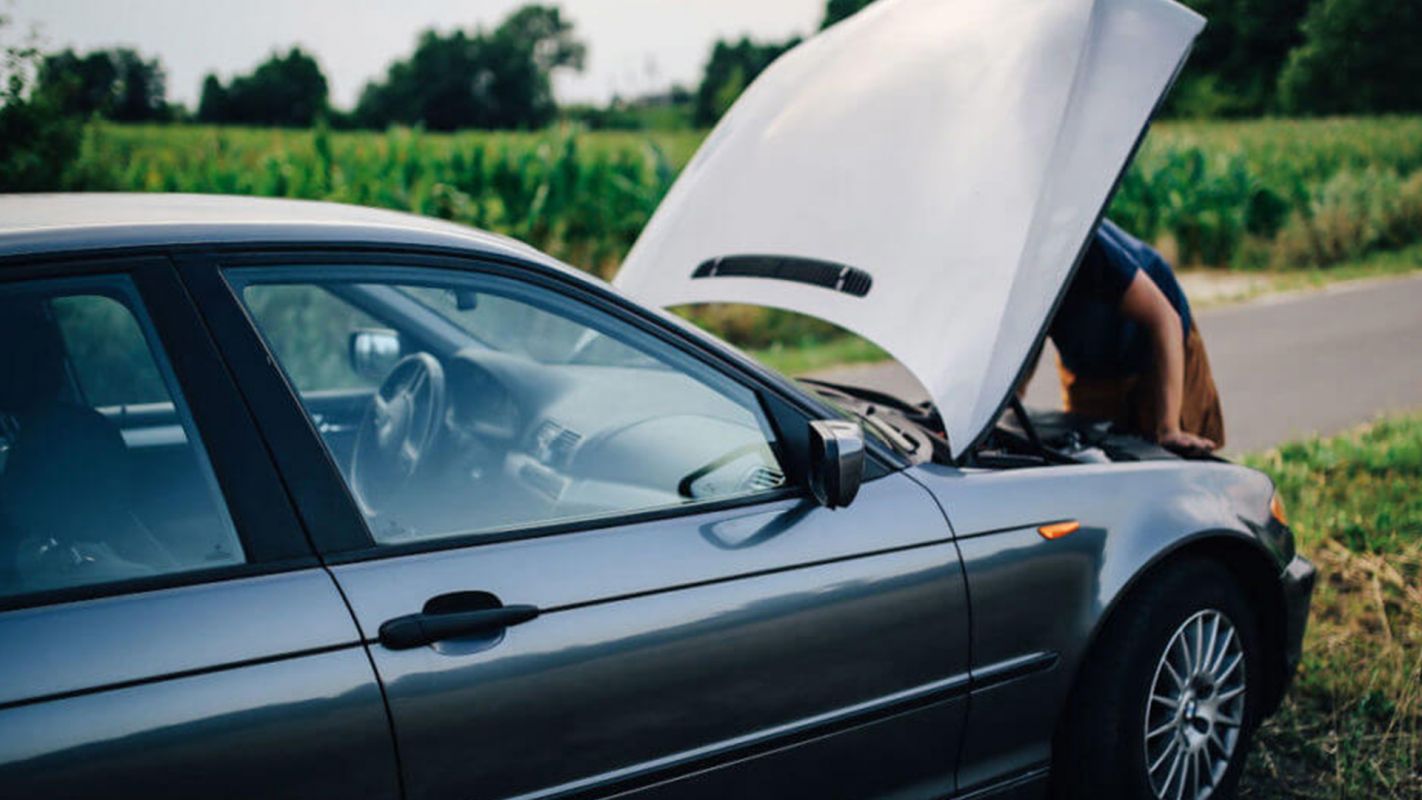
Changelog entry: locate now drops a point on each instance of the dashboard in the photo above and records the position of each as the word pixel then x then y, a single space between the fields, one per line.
pixel 525 441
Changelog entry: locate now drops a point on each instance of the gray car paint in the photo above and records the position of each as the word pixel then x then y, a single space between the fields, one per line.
pixel 668 643
pixel 230 701
pixel 1031 594
pixel 73 647
pixel 249 687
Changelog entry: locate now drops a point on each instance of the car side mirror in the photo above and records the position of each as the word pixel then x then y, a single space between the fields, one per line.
pixel 374 352
pixel 836 461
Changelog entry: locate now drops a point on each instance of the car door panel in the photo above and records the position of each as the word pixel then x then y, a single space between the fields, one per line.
pixel 660 647
pixel 299 727
pixel 166 629
pixel 221 689
pixel 1031 600
pixel 133 638
pixel 621 560
pixel 902 744
pixel 753 628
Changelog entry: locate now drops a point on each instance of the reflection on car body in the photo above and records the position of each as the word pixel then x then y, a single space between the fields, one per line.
pixel 302 499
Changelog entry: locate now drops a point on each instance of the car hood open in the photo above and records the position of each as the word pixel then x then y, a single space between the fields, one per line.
pixel 925 175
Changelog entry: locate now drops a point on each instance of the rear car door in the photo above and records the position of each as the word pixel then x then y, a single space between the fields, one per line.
pixel 165 629
pixel 587 569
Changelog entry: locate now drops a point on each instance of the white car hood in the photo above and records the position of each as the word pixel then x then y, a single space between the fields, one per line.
pixel 955 153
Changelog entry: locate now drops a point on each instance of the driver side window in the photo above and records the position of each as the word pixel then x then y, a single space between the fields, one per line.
pixel 485 405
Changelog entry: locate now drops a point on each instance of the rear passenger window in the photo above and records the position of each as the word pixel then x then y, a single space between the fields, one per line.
pixel 111 361
pixel 102 475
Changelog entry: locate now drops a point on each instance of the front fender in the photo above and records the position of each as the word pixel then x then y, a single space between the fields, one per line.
pixel 1031 596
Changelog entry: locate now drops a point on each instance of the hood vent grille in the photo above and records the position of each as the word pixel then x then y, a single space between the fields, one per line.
pixel 826 274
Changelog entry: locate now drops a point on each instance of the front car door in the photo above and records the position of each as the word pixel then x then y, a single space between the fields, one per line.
pixel 580 557
pixel 165 629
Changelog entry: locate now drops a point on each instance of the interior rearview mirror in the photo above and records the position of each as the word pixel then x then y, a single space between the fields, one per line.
pixel 374 352
pixel 836 461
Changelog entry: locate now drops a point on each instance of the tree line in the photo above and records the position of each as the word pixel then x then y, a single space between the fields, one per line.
pixel 499 78
pixel 1255 57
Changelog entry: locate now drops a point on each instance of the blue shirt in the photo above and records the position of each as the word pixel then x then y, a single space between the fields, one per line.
pixel 1094 338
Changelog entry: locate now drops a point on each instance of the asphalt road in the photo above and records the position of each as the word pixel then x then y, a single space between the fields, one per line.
pixel 1287 366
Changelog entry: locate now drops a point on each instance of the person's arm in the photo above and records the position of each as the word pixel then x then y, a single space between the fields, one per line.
pixel 1145 304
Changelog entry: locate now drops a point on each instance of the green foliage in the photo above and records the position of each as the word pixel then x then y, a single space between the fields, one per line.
pixel 1352 214
pixel 286 90
pixel 799 359
pixel 1358 56
pixel 38 136
pixel 118 84
pixel 1281 193
pixel 1268 192
pixel 495 80
pixel 581 196
pixel 1352 725
pixel 836 10
pixel 1362 487
pixel 1235 64
pixel 667 112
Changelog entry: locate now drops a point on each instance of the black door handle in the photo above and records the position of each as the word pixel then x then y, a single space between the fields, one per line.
pixel 417 630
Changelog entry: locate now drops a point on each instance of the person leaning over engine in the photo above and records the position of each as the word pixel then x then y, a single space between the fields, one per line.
pixel 1130 351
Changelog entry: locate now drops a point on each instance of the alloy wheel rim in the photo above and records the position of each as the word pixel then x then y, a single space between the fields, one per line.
pixel 1195 710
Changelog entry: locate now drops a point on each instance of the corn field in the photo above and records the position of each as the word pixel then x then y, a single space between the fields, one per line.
pixel 1279 194
pixel 583 197
pixel 1283 194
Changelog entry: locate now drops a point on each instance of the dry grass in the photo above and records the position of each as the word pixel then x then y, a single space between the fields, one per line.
pixel 1352 725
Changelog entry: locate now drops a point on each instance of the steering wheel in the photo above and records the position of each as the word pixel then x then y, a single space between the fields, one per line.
pixel 398 430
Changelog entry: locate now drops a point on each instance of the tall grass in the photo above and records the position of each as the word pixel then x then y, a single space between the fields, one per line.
pixel 1277 194
pixel 582 197
pixel 1281 193
pixel 1352 724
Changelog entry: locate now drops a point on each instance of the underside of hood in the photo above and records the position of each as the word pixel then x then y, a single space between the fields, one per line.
pixel 925 175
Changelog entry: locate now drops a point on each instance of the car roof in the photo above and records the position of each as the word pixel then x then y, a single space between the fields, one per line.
pixel 39 224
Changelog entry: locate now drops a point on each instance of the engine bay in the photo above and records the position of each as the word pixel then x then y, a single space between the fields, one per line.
pixel 1020 437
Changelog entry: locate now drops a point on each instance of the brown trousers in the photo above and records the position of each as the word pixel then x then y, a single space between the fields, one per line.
pixel 1130 402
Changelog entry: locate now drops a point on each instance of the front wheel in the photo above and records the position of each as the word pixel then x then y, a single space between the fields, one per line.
pixel 1169 698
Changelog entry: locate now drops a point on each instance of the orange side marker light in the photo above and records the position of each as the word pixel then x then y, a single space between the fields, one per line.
pixel 1276 508
pixel 1059 529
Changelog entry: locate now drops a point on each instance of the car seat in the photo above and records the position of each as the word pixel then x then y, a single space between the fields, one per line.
pixel 66 506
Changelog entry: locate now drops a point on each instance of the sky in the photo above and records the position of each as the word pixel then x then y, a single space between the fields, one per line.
pixel 635 46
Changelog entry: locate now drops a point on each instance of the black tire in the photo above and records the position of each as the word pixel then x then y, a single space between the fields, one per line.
pixel 1100 749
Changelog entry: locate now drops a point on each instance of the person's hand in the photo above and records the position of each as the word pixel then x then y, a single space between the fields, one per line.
pixel 1185 443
